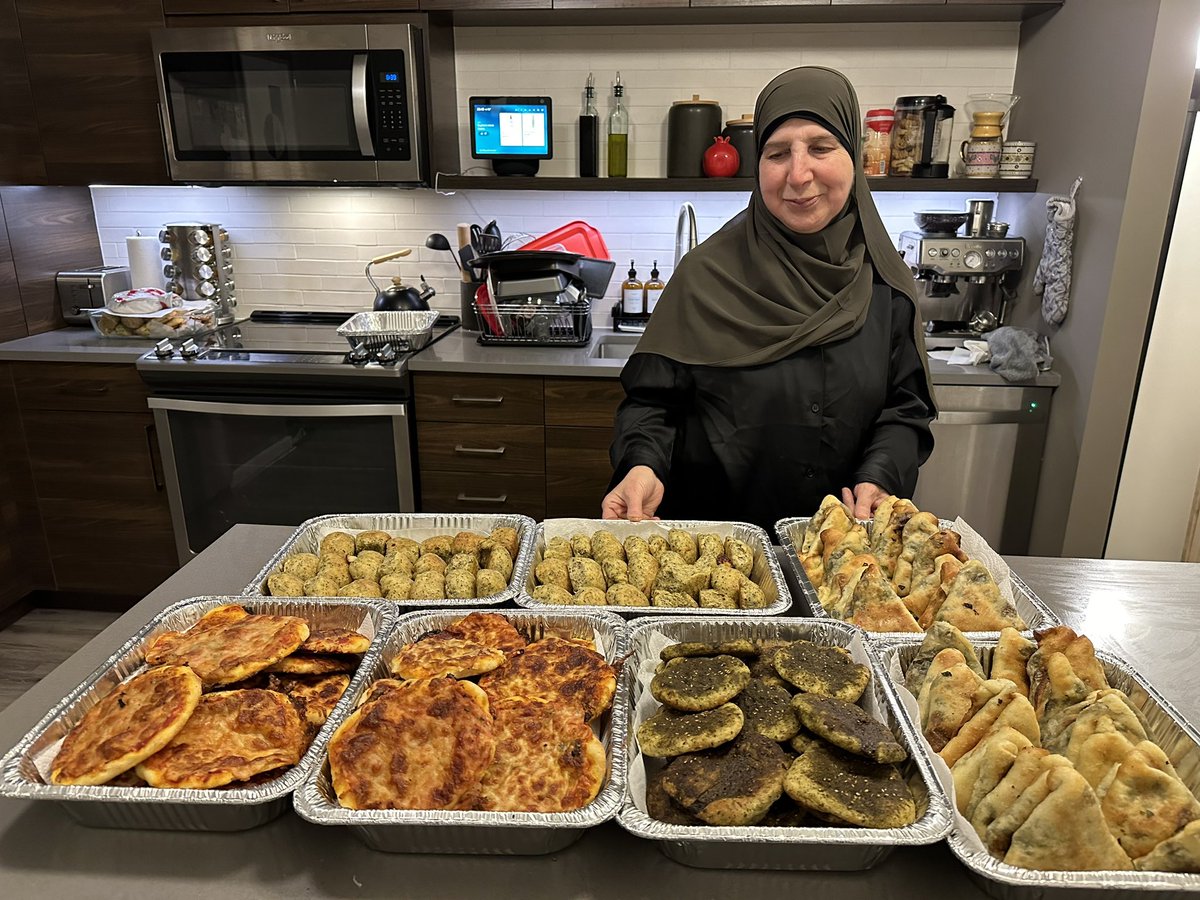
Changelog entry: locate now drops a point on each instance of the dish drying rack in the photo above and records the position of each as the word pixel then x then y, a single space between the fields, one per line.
pixel 551 325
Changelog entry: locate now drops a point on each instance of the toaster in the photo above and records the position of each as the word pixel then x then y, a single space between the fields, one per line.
pixel 83 289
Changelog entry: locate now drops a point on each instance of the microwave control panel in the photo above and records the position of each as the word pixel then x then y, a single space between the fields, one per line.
pixel 392 105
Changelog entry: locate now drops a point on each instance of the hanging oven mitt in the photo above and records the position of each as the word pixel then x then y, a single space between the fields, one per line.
pixel 1053 277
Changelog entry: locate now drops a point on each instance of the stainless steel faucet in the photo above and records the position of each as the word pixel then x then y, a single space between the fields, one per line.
pixel 687 218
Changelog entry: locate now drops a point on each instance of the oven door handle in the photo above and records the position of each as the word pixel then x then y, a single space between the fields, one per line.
pixel 358 100
pixel 279 410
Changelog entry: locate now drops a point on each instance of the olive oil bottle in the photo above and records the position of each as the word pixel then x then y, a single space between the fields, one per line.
pixel 618 134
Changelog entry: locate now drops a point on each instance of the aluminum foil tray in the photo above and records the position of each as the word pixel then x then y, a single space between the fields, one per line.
pixel 754 847
pixel 1165 725
pixel 178 809
pixel 403 329
pixel 767 573
pixel 1036 614
pixel 466 831
pixel 307 538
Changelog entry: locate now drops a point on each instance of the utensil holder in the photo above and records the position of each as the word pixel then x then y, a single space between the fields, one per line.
pixel 466 304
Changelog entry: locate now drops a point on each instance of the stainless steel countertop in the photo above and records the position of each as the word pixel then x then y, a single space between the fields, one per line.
pixel 1148 612
pixel 457 353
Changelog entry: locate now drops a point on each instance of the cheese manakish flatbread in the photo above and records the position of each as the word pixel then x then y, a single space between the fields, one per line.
pixel 232 736
pixel 224 647
pixel 421 744
pixel 298 664
pixel 334 640
pixel 488 629
pixel 316 695
pixel 555 669
pixel 443 654
pixel 132 722
pixel 547 758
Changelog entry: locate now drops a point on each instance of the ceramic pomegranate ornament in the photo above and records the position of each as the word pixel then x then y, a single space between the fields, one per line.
pixel 721 159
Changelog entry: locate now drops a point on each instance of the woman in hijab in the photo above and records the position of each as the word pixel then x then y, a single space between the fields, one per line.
pixel 785 360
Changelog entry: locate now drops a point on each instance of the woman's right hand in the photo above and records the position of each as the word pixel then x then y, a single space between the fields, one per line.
pixel 636 498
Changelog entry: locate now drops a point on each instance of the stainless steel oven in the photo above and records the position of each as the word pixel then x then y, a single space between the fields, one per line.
pixel 285 103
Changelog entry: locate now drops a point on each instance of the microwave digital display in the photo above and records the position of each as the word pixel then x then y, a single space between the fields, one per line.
pixel 391 76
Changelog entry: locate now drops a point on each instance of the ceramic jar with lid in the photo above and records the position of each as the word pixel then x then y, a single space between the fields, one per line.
pixel 741 135
pixel 691 126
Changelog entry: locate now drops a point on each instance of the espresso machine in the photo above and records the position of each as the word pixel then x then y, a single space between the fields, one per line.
pixel 964 283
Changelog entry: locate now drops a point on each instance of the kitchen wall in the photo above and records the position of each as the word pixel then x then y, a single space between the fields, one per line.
pixel 306 247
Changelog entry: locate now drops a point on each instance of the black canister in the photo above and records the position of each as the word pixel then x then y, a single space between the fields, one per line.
pixel 691 127
pixel 741 135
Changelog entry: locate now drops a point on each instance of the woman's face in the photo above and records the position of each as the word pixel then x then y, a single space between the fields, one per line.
pixel 805 175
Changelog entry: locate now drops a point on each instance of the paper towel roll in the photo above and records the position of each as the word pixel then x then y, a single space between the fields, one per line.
pixel 145 267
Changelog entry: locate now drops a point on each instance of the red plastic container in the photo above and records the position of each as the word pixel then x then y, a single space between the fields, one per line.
pixel 574 237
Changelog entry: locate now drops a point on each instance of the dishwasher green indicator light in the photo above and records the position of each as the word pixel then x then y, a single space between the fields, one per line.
pixel 1033 405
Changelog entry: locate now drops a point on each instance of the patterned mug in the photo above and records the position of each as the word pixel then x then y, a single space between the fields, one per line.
pixel 981 158
pixel 1016 159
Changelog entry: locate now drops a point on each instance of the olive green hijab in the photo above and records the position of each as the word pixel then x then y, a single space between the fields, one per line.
pixel 756 292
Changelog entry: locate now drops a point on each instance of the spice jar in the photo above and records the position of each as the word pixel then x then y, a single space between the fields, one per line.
pixel 877 141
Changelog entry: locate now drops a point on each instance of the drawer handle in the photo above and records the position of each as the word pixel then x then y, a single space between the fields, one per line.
pixel 463 498
pixel 485 451
pixel 496 400
pixel 93 389
pixel 152 448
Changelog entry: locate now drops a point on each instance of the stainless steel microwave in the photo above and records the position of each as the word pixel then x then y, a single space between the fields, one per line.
pixel 329 103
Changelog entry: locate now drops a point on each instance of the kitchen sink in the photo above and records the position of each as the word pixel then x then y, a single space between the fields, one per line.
pixel 614 346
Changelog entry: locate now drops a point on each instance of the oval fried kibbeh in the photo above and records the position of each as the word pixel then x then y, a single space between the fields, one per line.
pixel 334 640
pixel 547 758
pixel 697 683
pixel 420 744
pixel 848 726
pixel 555 669
pixel 488 629
pixel 232 735
pixel 132 722
pixel 444 654
pixel 820 669
pixel 227 648
pixel 831 782
pixel 768 710
pixel 735 647
pixel 669 733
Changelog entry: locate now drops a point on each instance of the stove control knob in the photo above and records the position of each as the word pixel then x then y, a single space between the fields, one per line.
pixel 973 259
pixel 358 354
pixel 188 349
pixel 386 355
pixel 163 349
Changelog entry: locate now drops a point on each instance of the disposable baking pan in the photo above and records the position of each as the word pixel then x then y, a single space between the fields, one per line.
pixel 1165 725
pixel 418 526
pixel 178 809
pixel 791 532
pixel 770 847
pixel 467 831
pixel 767 573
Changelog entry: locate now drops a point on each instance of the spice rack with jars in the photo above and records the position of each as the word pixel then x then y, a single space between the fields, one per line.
pixel 198 264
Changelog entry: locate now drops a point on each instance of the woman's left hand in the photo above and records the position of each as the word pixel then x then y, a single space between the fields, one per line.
pixel 863 499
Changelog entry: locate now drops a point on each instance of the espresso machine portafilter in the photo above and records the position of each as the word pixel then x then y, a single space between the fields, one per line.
pixel 198 264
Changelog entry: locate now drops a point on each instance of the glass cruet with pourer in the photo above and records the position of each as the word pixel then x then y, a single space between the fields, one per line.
pixel 618 134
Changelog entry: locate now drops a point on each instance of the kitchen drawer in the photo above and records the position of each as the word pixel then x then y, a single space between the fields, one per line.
pixel 472 492
pixel 583 401
pixel 94 387
pixel 515 400
pixel 481 448
pixel 102 456
pixel 577 471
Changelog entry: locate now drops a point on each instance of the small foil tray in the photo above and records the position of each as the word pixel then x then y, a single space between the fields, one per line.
pixel 418 526
pixel 1165 725
pixel 771 847
pixel 403 329
pixel 468 831
pixel 767 573
pixel 1036 614
pixel 179 809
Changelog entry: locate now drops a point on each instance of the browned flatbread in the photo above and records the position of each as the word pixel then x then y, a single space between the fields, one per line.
pixel 556 669
pixel 335 640
pixel 547 758
pixel 490 630
pixel 421 744
pixel 231 736
pixel 443 654
pixel 224 647
pixel 317 696
pixel 299 664
pixel 134 721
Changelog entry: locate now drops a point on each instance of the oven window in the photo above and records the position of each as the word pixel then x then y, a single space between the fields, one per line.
pixel 261 106
pixel 283 469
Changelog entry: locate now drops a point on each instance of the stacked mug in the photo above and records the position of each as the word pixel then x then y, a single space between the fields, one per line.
pixel 1016 159
pixel 982 151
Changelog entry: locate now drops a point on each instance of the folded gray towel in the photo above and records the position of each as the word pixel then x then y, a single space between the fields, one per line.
pixel 1015 352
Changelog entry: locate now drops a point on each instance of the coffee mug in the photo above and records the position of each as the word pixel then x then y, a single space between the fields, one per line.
pixel 981 159
pixel 1016 159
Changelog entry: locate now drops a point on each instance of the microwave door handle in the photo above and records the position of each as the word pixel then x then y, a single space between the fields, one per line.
pixel 358 98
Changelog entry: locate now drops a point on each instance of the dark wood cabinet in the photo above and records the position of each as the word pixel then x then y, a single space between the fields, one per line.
pixel 94 90
pixel 223 7
pixel 20 147
pixel 97 476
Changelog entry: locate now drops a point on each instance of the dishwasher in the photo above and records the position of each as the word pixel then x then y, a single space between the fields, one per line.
pixel 986 461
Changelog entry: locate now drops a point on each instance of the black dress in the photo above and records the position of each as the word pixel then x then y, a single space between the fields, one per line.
pixel 766 442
